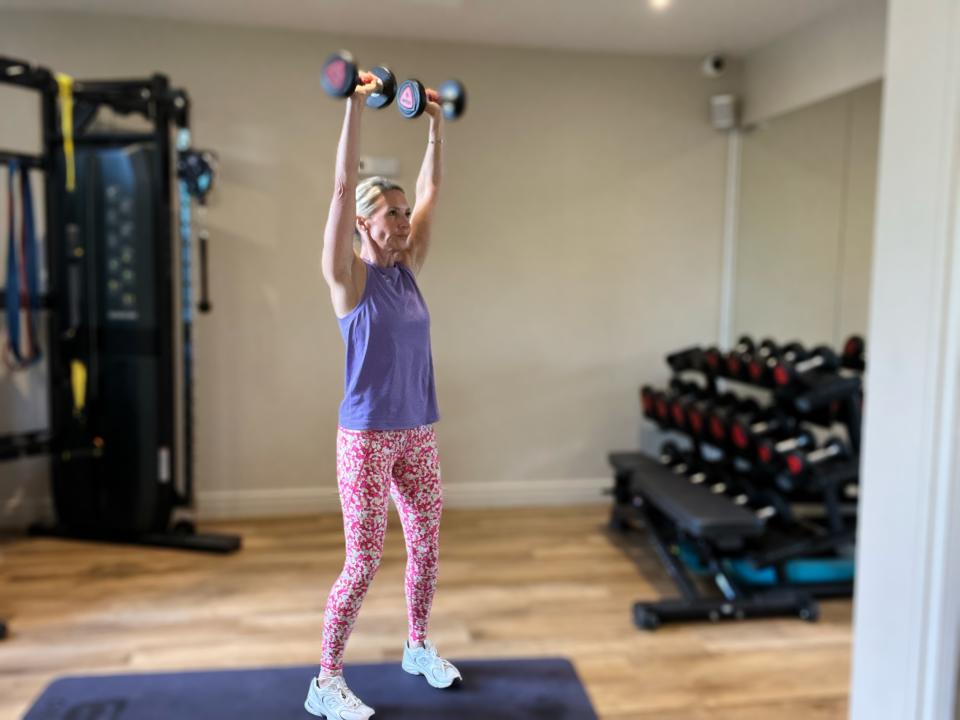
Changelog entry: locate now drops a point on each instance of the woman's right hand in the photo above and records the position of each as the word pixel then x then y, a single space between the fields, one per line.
pixel 368 86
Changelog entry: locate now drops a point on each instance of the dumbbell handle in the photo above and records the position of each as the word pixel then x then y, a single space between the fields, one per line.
pixel 680 466
pixel 691 356
pixel 823 394
pixel 823 454
pixel 368 77
pixel 716 488
pixel 790 444
pixel 764 513
pixel 809 364
pixel 792 356
pixel 766 426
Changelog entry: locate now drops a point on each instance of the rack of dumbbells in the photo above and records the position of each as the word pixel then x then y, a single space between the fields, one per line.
pixel 751 503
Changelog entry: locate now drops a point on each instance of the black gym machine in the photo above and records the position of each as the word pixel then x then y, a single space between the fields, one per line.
pixel 119 438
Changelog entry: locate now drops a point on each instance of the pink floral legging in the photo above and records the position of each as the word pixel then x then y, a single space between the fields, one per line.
pixel 370 465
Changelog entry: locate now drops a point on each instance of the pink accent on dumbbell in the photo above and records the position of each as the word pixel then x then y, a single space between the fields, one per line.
pixel 336 72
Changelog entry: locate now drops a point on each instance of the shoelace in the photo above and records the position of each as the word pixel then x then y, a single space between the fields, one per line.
pixel 349 699
pixel 432 652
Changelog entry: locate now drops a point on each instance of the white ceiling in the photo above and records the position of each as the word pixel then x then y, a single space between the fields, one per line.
pixel 685 27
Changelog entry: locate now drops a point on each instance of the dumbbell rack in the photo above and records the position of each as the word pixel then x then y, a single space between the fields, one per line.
pixel 818 398
pixel 822 399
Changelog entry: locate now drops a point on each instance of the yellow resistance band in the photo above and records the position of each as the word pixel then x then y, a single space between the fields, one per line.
pixel 78 374
pixel 65 83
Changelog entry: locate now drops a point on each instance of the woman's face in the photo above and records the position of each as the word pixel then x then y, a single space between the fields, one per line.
pixel 389 225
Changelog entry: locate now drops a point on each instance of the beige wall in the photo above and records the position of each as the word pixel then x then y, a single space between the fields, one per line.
pixel 807 197
pixel 578 240
pixel 830 56
pixel 856 250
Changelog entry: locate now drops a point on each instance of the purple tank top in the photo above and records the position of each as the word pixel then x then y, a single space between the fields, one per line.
pixel 388 383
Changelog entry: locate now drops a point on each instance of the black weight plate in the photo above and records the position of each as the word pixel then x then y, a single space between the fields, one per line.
pixel 453 98
pixel 411 98
pixel 339 77
pixel 389 91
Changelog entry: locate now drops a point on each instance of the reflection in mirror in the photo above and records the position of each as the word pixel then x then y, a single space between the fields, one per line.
pixel 806 212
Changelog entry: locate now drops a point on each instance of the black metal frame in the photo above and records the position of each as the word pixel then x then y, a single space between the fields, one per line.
pixel 166 108
pixel 22 74
pixel 633 512
pixel 734 603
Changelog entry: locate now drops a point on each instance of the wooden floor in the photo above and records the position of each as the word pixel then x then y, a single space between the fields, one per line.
pixel 513 583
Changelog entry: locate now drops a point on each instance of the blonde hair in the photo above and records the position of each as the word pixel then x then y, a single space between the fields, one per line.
pixel 369 193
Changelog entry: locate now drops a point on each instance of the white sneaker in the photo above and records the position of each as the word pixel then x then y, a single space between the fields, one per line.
pixel 424 661
pixel 333 700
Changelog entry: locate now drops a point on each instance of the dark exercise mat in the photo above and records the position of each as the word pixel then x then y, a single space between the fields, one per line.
pixel 525 689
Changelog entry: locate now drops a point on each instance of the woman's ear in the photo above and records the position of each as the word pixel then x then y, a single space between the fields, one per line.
pixel 362 225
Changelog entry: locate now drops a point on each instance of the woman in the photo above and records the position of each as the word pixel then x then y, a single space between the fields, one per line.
pixel 385 441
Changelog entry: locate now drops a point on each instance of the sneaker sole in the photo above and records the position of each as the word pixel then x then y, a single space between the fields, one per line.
pixel 414 670
pixel 311 708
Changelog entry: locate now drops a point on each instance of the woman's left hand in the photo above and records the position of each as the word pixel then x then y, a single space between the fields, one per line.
pixel 434 110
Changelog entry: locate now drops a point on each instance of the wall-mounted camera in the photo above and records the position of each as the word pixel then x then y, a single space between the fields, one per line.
pixel 714 65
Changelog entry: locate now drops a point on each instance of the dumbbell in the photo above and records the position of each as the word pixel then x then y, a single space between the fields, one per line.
pixel 673 457
pixel 770 451
pixel 737 358
pixel 713 361
pixel 720 419
pixel 679 405
pixel 772 505
pixel 412 98
pixel 684 463
pixel 340 78
pixel 720 487
pixel 787 372
pixel 800 466
pixel 752 366
pixel 745 431
pixel 657 404
pixel 852 356
pixel 698 411
pixel 690 358
pixel 648 402
pixel 759 365
pixel 765 505
pixel 652 401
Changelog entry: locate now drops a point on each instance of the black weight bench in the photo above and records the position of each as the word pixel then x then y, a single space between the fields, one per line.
pixel 676 512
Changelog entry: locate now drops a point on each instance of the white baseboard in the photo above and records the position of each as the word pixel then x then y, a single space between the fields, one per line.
pixel 233 504
pixel 23 509
pixel 528 493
